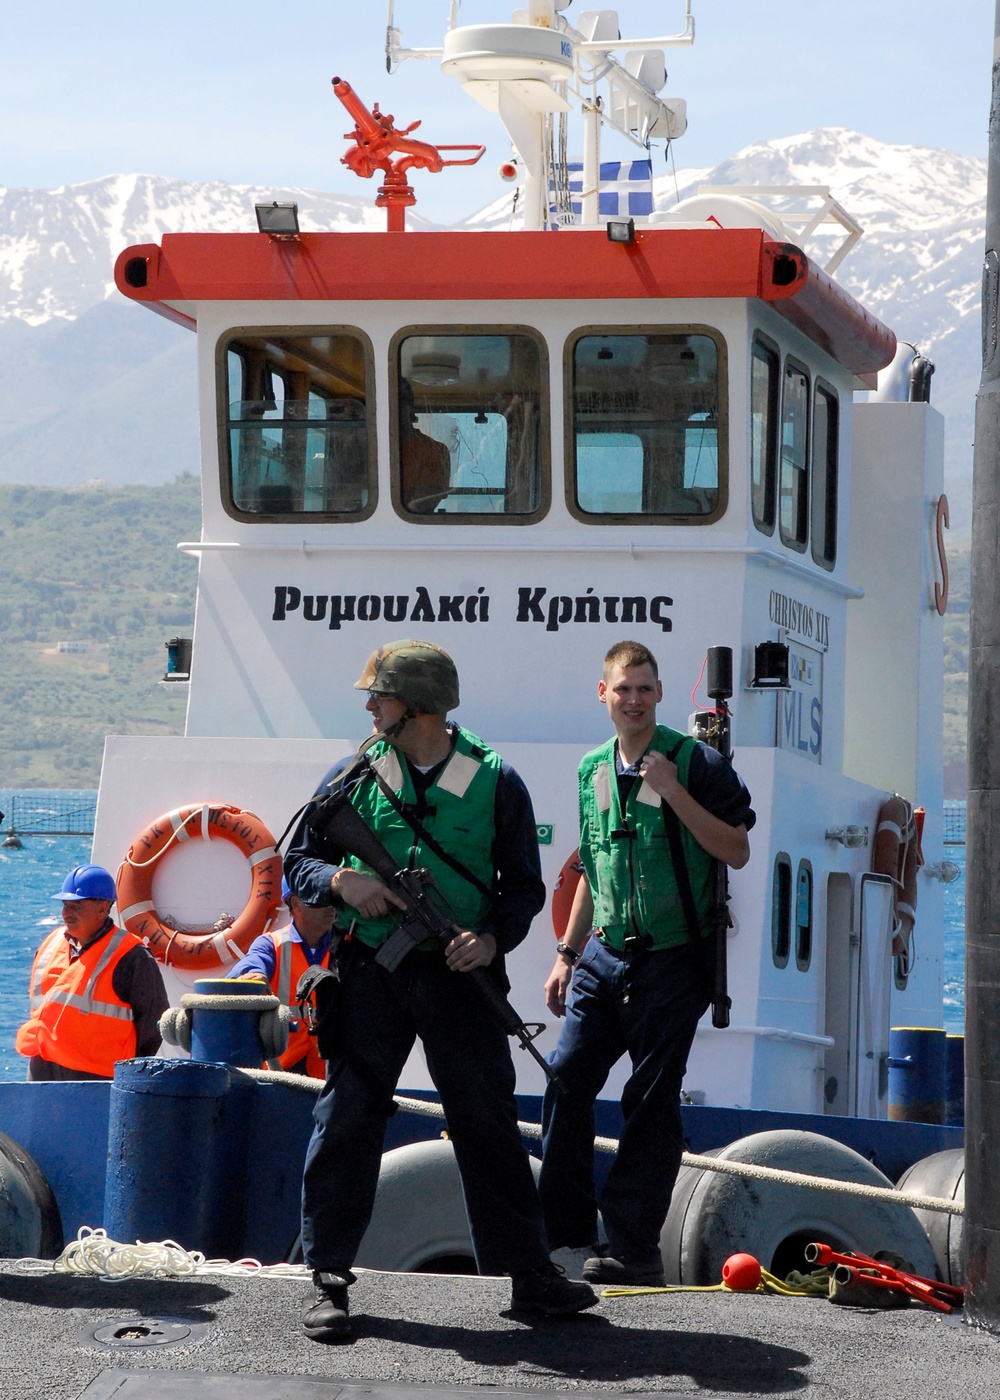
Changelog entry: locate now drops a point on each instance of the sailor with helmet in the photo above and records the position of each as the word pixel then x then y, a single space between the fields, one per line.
pixel 437 797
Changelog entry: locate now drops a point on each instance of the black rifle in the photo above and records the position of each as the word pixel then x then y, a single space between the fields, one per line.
pixel 717 733
pixel 335 820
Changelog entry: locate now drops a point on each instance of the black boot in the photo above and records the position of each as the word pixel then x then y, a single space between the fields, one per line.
pixel 548 1290
pixel 327 1319
pixel 626 1273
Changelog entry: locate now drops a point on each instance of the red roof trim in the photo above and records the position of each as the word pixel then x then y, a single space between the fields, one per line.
pixel 660 263
pixel 839 325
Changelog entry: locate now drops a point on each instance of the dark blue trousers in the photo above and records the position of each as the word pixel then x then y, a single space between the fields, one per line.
pixel 646 1004
pixel 468 1056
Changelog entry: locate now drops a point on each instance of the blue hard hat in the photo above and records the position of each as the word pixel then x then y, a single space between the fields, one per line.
pixel 88 882
pixel 286 889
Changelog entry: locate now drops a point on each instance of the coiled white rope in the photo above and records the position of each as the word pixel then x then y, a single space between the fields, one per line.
pixel 94 1255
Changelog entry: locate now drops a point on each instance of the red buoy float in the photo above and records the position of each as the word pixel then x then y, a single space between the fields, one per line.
pixel 564 893
pixel 741 1273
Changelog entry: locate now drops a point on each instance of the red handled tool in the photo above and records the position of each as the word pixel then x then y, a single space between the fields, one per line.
pixel 860 1268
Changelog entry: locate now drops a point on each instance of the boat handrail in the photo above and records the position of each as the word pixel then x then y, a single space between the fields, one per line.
pixel 773 1033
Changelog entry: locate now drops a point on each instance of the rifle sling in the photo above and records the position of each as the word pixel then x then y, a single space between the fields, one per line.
pixel 421 832
pixel 357 761
pixel 682 876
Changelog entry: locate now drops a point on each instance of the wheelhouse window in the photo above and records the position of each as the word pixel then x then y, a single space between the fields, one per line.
pixel 825 447
pixel 765 383
pixel 647 426
pixel 793 515
pixel 470 426
pixel 299 440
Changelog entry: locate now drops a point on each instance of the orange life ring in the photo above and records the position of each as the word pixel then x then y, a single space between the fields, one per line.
pixel 896 852
pixel 564 893
pixel 215 948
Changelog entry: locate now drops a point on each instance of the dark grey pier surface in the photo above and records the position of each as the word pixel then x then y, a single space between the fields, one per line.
pixel 420 1337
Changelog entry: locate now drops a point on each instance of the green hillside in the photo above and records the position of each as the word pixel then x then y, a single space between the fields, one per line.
pixel 98 567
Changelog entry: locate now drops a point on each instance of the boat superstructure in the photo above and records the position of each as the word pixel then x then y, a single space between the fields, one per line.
pixel 526 444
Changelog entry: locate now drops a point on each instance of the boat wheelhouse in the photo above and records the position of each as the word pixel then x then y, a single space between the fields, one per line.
pixel 524 445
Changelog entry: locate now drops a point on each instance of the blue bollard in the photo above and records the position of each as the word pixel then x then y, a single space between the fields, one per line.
pixel 177 1155
pixel 226 1035
pixel 954 1098
pixel 916 1074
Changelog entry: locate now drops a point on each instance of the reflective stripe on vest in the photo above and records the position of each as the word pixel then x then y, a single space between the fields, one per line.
pixel 301 1045
pixel 458 813
pixel 87 1006
pixel 77 1024
pixel 283 948
pixel 43 958
pixel 84 1001
pixel 627 856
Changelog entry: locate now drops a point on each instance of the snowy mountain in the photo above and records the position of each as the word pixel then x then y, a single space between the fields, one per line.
pixel 58 247
pixel 95 387
pixel 918 266
pixel 98 388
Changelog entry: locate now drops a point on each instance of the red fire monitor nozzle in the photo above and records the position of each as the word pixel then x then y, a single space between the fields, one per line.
pixel 376 140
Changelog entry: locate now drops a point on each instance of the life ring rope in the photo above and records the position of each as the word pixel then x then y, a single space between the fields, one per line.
pixel 179 834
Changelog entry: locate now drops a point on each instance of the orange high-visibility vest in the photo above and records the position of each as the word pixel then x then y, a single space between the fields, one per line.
pixel 289 965
pixel 76 1019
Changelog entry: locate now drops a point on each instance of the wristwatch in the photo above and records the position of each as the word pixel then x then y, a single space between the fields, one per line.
pixel 565 951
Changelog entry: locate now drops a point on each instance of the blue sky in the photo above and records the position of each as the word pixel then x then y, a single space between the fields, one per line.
pixel 239 90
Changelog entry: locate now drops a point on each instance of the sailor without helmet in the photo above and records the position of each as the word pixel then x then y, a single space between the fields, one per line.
pixel 418 673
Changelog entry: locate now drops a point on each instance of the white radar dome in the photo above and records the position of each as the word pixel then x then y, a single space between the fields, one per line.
pixel 506 53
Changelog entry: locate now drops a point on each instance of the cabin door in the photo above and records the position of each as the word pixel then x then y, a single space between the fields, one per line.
pixel 874 985
pixel 839 1077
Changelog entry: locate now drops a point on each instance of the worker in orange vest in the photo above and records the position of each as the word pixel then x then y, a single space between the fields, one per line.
pixel 96 993
pixel 280 957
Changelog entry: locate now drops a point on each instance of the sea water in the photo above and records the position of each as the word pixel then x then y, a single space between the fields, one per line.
pixel 29 878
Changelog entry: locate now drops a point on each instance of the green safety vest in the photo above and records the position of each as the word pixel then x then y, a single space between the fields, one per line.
pixel 461 822
pixel 631 873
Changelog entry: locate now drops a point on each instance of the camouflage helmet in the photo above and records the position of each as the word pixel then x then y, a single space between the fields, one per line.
pixel 420 673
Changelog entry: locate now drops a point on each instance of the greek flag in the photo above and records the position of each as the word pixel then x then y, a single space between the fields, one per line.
pixel 626 188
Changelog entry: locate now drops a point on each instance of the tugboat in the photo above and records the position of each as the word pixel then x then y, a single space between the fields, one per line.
pixel 602 420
